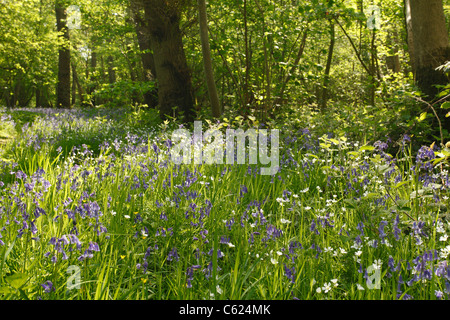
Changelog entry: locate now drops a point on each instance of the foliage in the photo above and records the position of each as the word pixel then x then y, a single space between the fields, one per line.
pixel 137 226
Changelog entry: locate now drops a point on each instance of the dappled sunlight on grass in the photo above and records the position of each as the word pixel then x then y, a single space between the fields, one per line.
pixel 88 190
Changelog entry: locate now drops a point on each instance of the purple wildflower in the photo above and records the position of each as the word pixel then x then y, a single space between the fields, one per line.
pixel 48 286
pixel 173 254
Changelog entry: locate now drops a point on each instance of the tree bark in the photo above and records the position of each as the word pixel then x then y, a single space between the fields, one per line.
pixel 326 79
pixel 63 83
pixel 409 36
pixel 92 78
pixel 76 81
pixel 173 76
pixel 143 38
pixel 431 44
pixel 207 61
pixel 111 70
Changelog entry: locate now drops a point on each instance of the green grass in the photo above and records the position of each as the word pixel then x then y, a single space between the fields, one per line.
pixel 167 231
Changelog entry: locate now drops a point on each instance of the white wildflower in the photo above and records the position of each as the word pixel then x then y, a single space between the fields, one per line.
pixel 326 287
pixel 335 282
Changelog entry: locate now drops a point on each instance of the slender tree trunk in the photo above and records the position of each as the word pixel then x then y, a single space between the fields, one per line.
pixel 268 88
pixel 246 102
pixel 294 67
pixel 63 85
pixel 409 36
pixel 326 79
pixel 207 61
pixel 74 88
pixel 431 44
pixel 373 69
pixel 173 75
pixel 393 59
pixel 111 70
pixel 92 78
pixel 77 84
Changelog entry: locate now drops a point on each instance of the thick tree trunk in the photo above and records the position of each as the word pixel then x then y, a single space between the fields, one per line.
pixel 63 85
pixel 174 78
pixel 431 44
pixel 207 61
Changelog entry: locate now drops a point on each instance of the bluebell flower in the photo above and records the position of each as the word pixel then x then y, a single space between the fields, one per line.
pixel 48 286
pixel 313 228
pixel 391 264
pixel 405 297
pixel 290 273
pixel 53 241
pixel 173 254
pixel 21 175
pixel 360 227
pixel 38 212
pixel 381 230
pixel 93 246
pixel 439 294
pixel 447 287
pixel 33 227
pixel 224 240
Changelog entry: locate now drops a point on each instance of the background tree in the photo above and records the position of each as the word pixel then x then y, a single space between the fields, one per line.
pixel 63 83
pixel 209 73
pixel 143 39
pixel 173 75
pixel 431 44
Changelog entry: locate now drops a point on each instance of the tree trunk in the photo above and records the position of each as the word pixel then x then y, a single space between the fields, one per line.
pixel 409 36
pixel 207 61
pixel 74 88
pixel 63 83
pixel 111 70
pixel 92 78
pixel 431 44
pixel 173 76
pixel 77 83
pixel 247 93
pixel 293 69
pixel 143 38
pixel 326 79
pixel 393 58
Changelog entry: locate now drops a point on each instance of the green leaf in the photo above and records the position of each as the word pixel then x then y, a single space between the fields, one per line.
pixel 445 105
pixel 17 280
pixel 371 196
pixel 5 290
pixel 350 203
pixel 366 148
pixel 334 141
pixel 398 185
pixel 423 116
pixel 437 160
